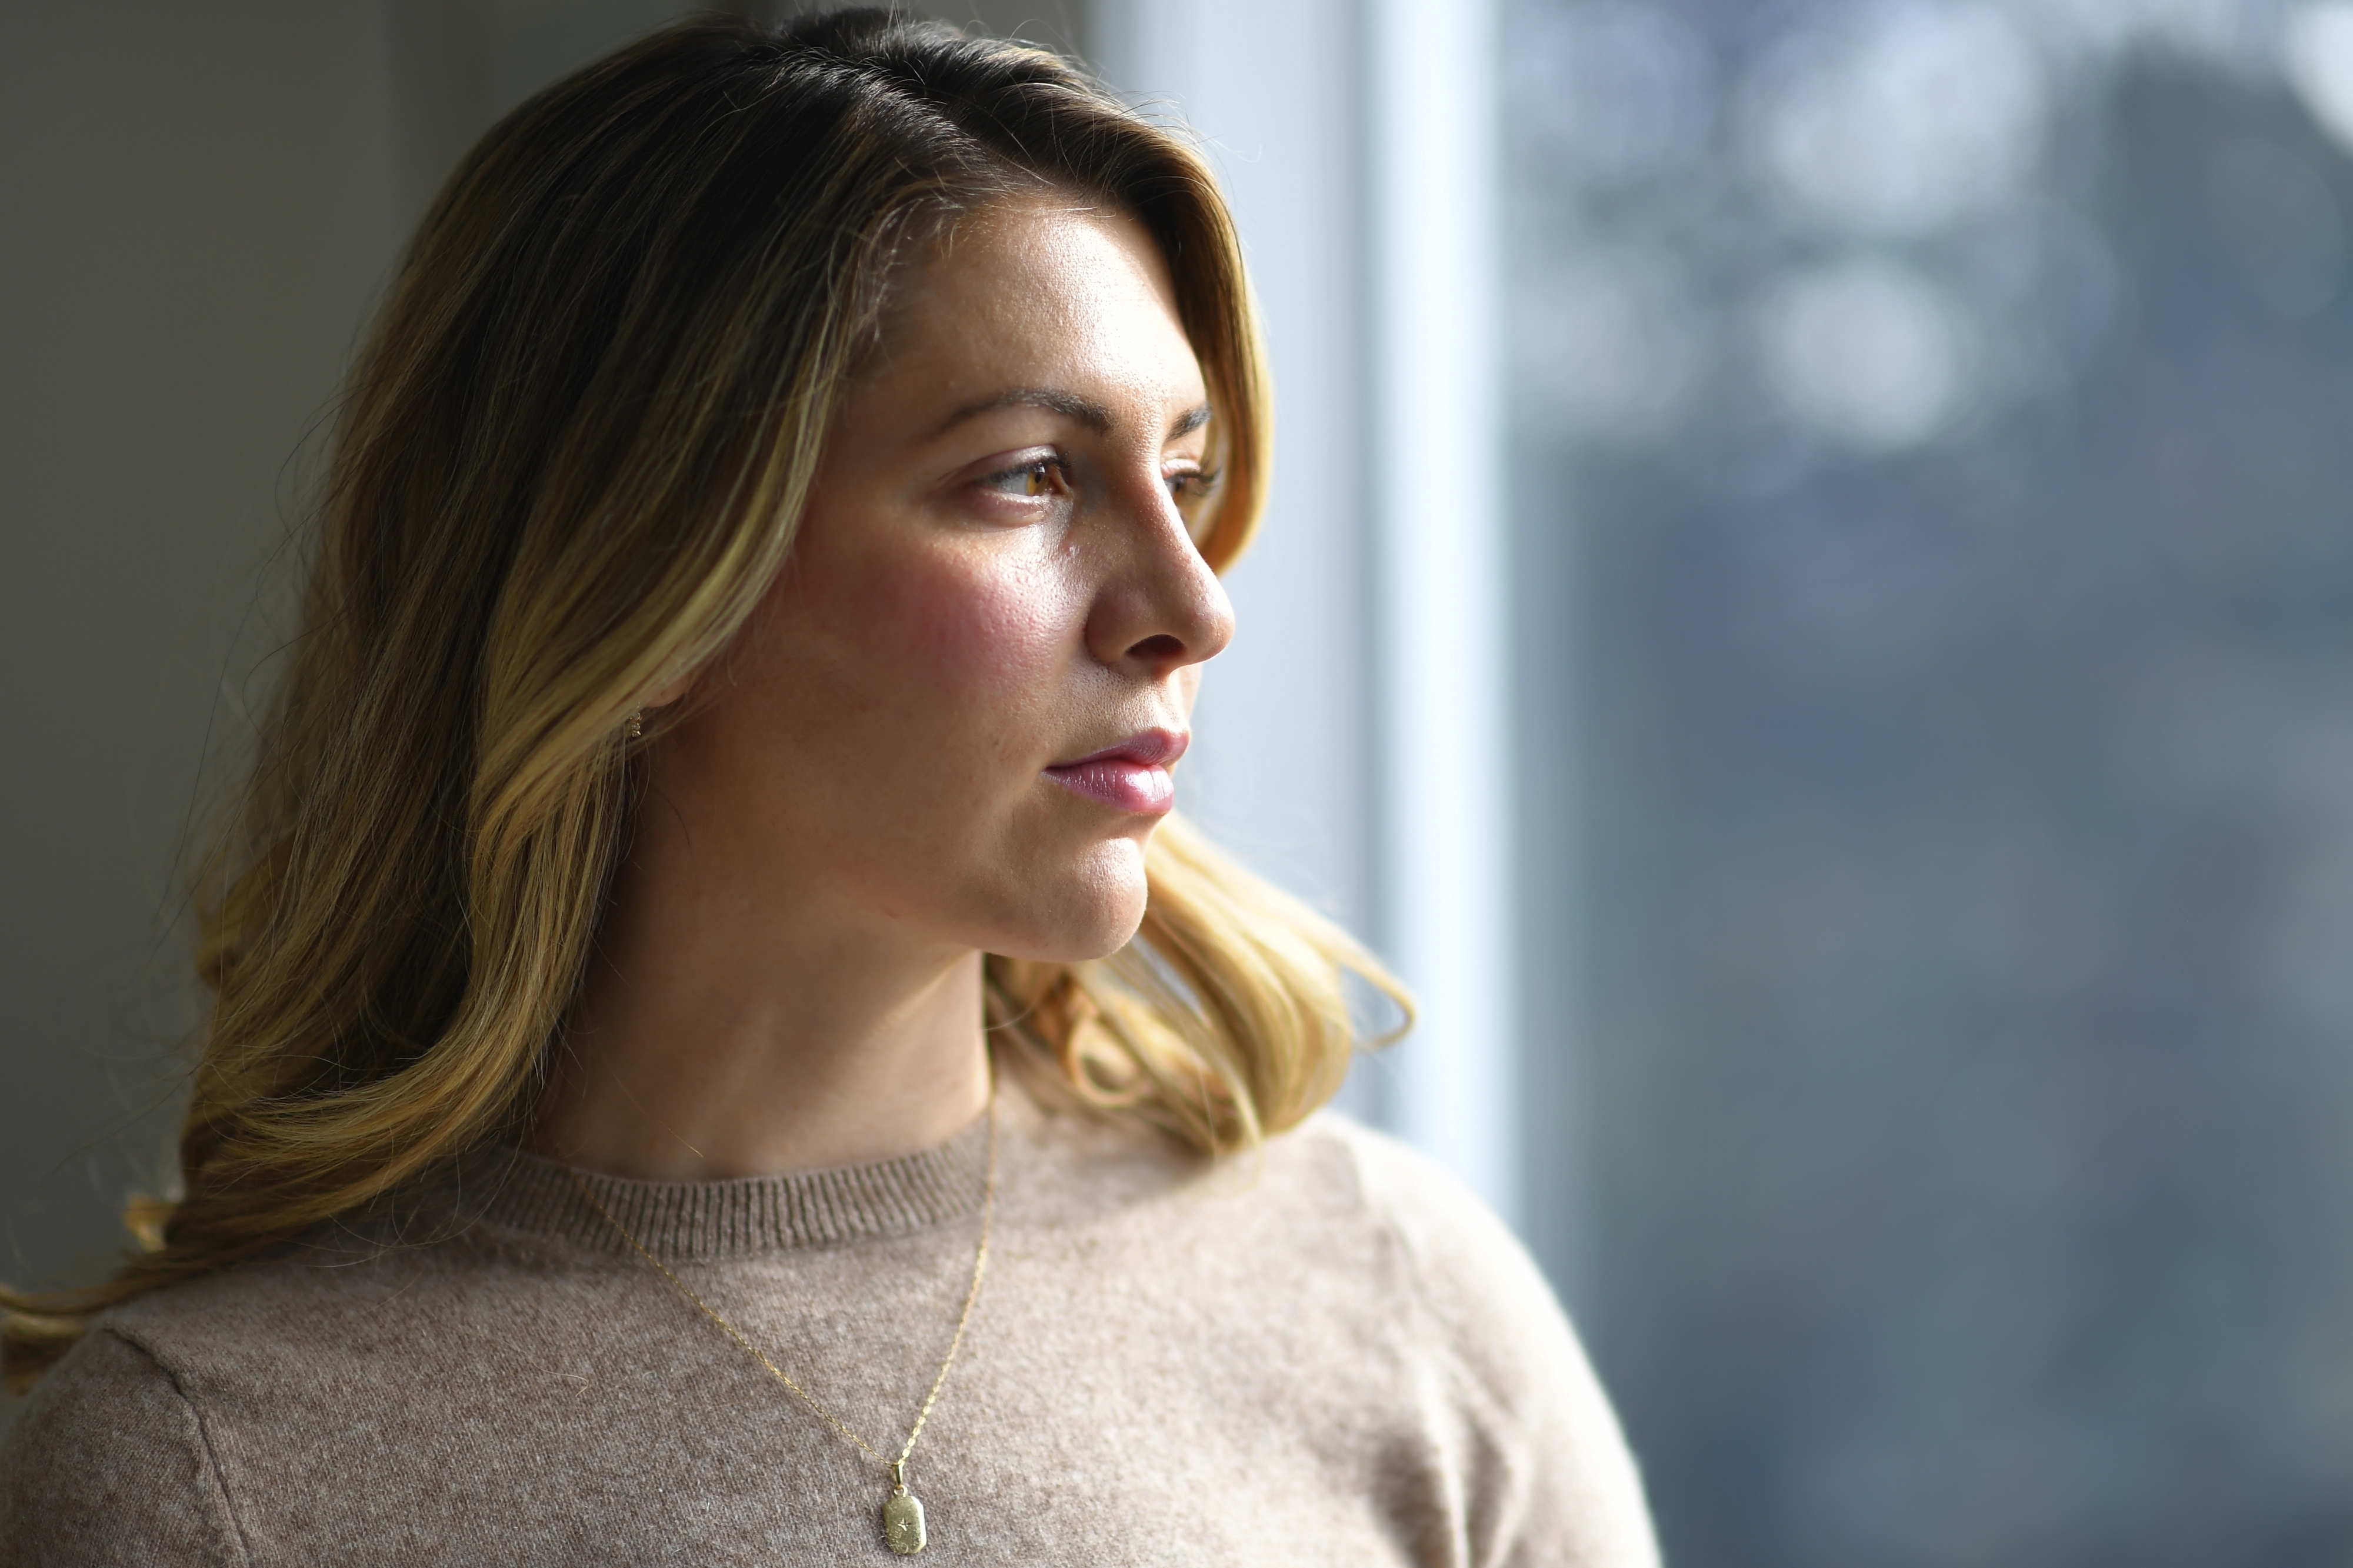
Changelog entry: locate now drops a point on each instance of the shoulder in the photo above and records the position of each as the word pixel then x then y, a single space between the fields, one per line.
pixel 1468 1277
pixel 1463 1265
pixel 1505 1385
pixel 107 1462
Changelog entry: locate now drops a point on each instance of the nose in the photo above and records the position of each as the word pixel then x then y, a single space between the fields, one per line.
pixel 1157 606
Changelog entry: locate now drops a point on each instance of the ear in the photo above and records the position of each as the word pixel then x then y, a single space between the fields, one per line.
pixel 669 691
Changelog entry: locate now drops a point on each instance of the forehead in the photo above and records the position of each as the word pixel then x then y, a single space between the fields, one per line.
pixel 1042 292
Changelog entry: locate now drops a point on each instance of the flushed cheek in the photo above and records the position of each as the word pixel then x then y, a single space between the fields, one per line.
pixel 998 629
pixel 971 648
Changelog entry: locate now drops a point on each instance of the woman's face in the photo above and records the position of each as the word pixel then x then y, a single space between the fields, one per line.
pixel 951 718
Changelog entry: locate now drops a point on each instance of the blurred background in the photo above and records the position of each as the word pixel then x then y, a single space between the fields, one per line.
pixel 1808 604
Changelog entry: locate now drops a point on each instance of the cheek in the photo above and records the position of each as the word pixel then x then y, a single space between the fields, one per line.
pixel 982 628
pixel 964 637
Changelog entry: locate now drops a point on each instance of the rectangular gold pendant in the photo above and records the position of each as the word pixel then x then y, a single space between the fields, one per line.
pixel 902 1523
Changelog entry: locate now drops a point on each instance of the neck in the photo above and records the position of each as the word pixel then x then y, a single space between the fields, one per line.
pixel 723 1033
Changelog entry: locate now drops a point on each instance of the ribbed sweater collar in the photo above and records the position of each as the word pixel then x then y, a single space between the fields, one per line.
pixel 715 1221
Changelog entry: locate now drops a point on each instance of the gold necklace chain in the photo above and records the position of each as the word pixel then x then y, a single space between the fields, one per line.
pixel 903 1513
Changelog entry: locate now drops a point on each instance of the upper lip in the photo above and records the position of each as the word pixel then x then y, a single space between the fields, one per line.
pixel 1146 748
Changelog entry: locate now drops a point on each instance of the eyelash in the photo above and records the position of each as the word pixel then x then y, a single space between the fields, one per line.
pixel 1194 484
pixel 1187 484
pixel 1032 470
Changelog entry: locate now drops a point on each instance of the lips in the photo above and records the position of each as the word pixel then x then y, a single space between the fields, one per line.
pixel 1129 776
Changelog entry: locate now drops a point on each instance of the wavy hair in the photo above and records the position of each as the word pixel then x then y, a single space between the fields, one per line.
pixel 566 465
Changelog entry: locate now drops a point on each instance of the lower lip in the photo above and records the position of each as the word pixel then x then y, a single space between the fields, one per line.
pixel 1121 785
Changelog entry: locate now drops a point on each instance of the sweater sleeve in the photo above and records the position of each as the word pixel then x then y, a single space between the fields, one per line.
pixel 105 1462
pixel 1539 1472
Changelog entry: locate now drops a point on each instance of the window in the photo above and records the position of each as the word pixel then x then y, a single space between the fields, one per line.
pixel 1932 432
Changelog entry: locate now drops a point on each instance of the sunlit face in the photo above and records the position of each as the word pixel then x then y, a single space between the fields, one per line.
pixel 951 720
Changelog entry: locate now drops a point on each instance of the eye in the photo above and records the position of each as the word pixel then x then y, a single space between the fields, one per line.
pixel 1188 485
pixel 1190 488
pixel 1035 478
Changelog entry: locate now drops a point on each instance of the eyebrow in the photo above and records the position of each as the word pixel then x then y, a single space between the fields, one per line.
pixel 1079 410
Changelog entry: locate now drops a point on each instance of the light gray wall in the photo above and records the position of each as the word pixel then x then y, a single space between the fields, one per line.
pixel 198 203
pixel 1282 771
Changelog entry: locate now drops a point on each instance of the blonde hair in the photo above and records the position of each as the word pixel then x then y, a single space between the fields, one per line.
pixel 568 462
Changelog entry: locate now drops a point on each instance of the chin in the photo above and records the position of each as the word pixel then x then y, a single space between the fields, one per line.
pixel 1090 912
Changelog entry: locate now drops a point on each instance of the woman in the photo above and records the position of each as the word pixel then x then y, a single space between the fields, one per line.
pixel 718 1045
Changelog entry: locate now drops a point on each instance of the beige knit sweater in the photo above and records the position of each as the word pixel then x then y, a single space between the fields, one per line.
pixel 1328 1356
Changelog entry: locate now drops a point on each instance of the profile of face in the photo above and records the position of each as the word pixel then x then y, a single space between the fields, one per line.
pixel 950 723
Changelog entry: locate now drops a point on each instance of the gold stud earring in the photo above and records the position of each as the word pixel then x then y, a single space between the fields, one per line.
pixel 638 725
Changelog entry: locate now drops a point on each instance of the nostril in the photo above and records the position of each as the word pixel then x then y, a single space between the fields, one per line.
pixel 1157 649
